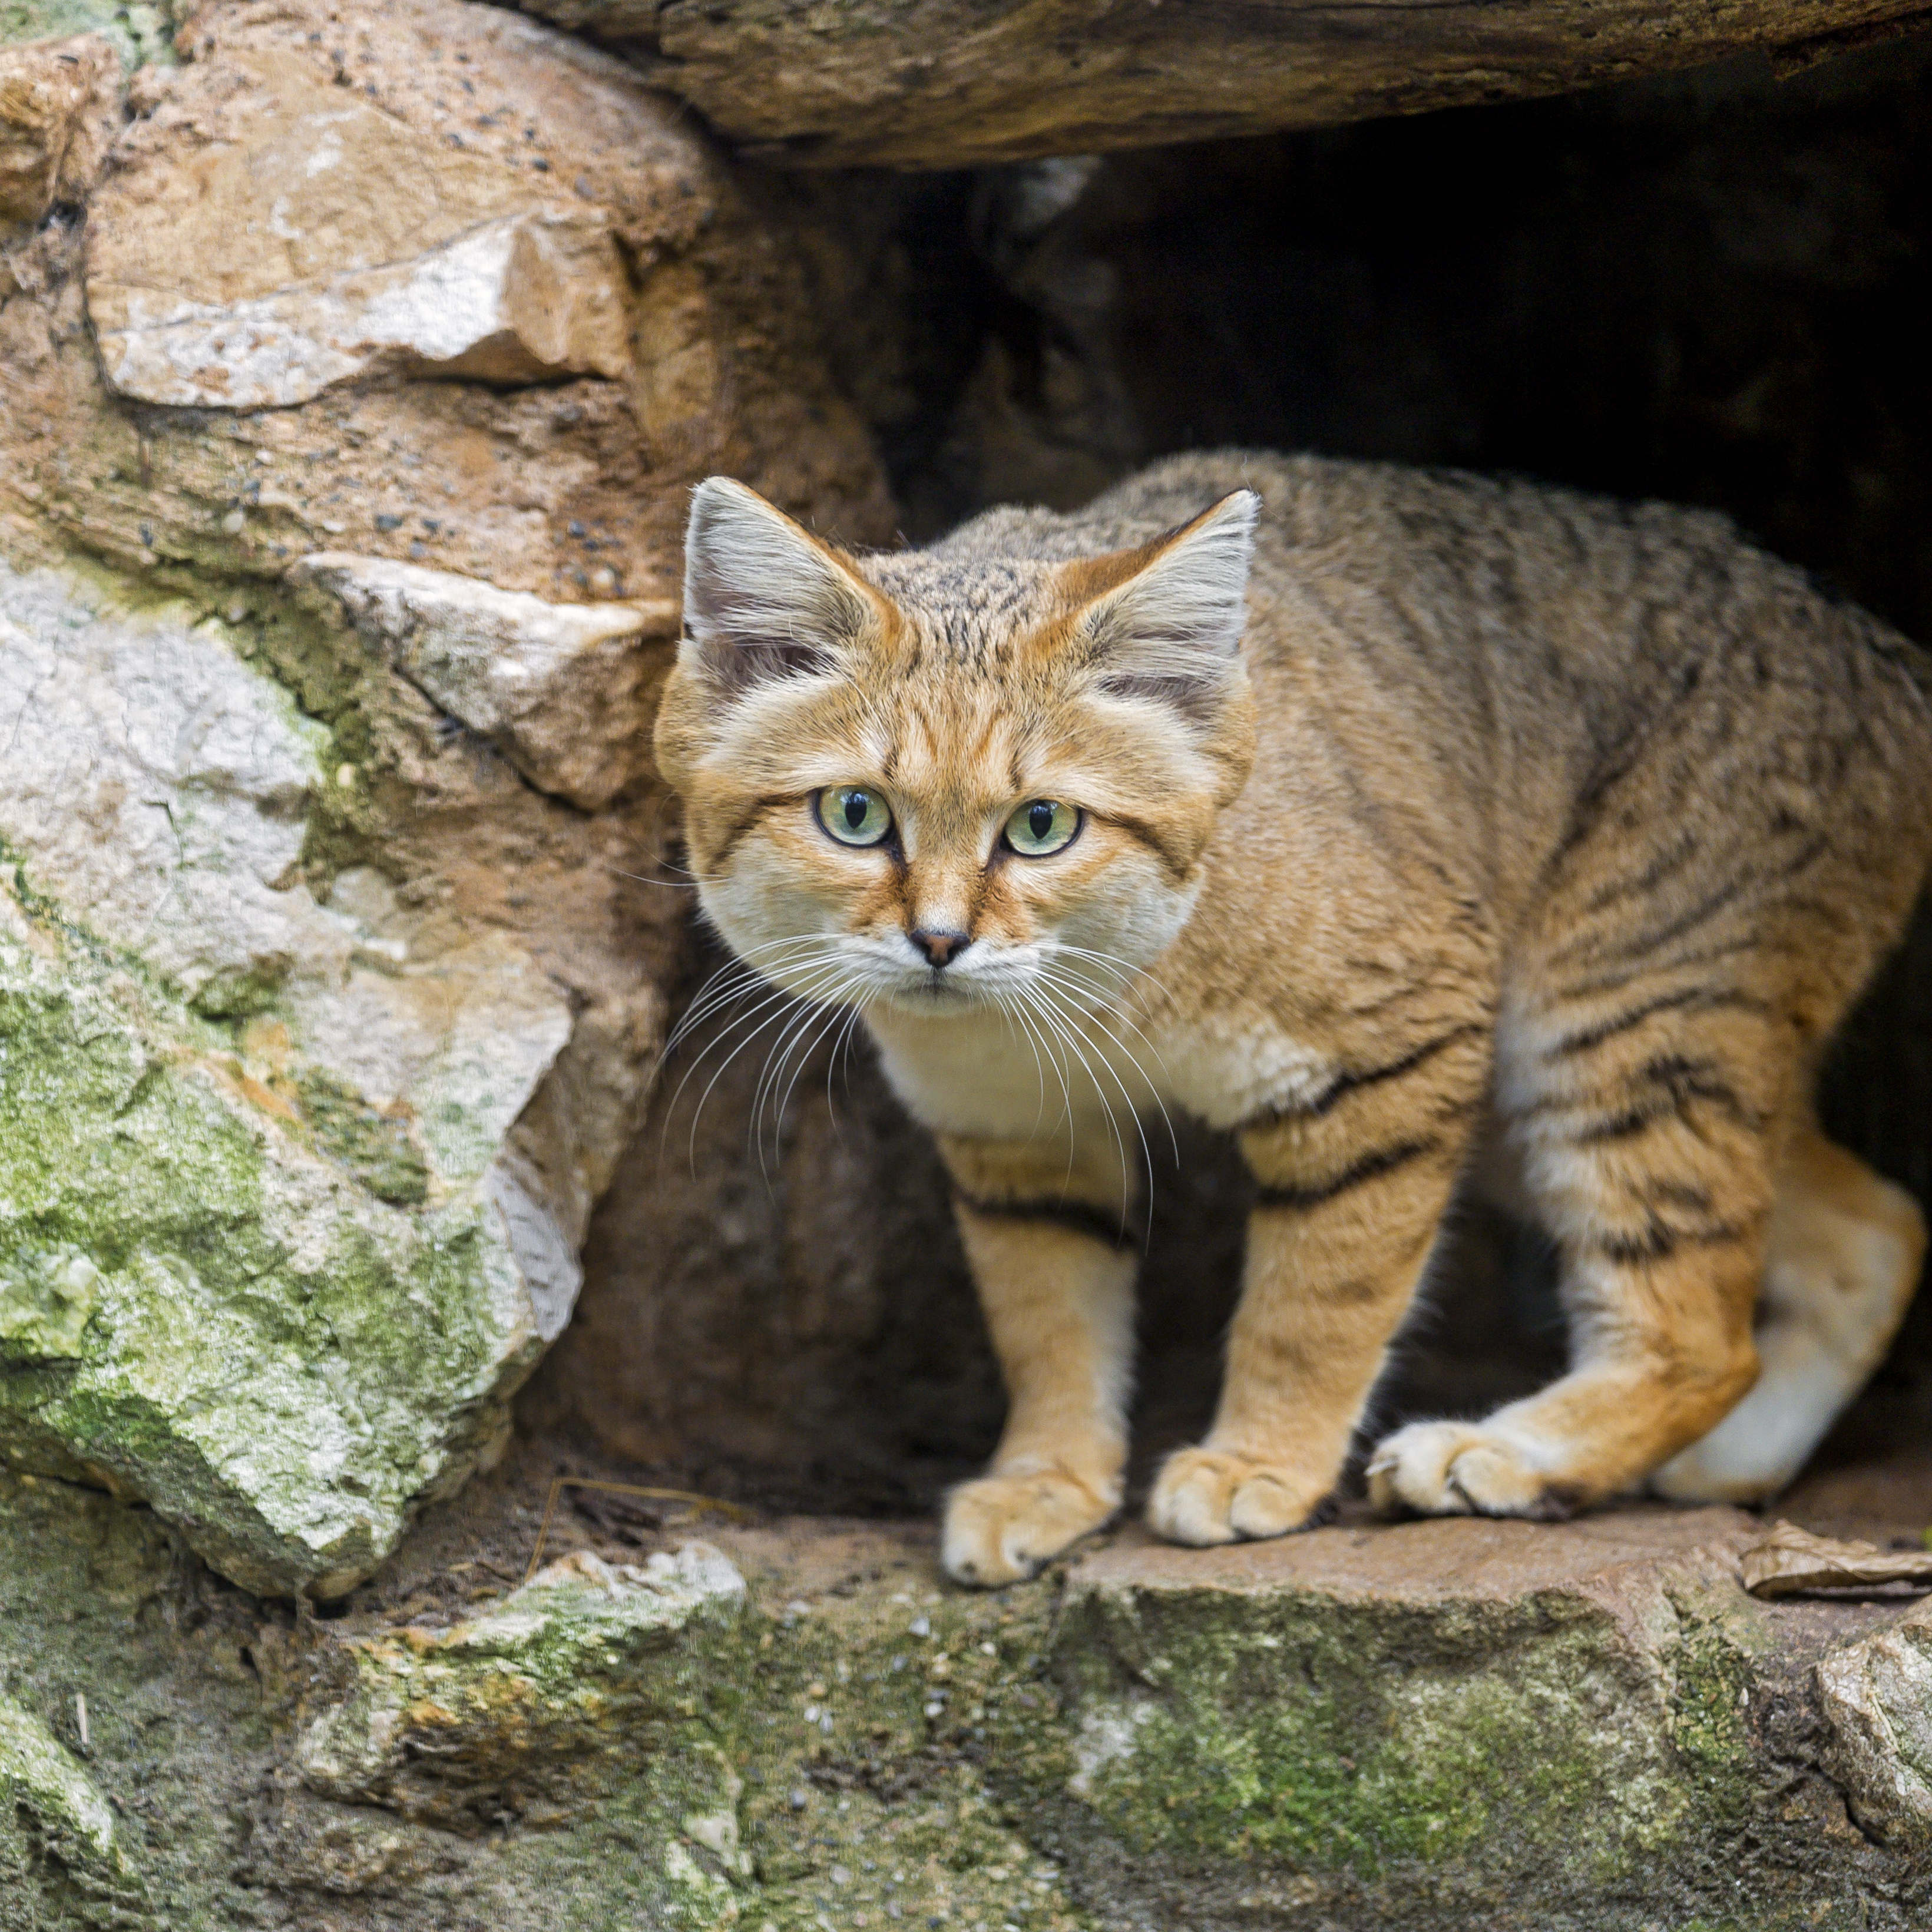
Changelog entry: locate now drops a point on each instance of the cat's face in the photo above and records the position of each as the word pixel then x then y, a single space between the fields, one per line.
pixel 950 782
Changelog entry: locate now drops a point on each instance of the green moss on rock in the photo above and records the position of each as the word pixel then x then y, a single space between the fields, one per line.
pixel 194 1307
pixel 141 30
pixel 60 1862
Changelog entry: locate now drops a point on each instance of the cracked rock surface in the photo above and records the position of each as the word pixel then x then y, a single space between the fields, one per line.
pixel 355 362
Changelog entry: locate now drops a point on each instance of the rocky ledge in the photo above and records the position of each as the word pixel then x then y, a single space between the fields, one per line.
pixel 798 1725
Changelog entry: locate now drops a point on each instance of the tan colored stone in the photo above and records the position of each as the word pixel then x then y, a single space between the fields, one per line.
pixel 324 241
pixel 562 687
pixel 418 970
pixel 506 300
pixel 54 95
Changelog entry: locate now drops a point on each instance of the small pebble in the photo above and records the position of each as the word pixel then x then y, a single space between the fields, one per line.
pixel 920 1626
pixel 797 1797
pixel 840 1875
pixel 385 521
pixel 577 530
pixel 235 522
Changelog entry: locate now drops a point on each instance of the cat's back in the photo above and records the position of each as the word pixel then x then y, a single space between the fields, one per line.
pixel 1480 579
pixel 1541 635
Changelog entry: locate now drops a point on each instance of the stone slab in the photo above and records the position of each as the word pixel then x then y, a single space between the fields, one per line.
pixel 956 83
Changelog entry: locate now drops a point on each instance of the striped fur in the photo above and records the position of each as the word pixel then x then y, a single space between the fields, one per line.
pixel 1519 822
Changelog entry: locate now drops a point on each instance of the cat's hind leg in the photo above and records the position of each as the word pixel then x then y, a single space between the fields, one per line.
pixel 1649 1131
pixel 1843 1255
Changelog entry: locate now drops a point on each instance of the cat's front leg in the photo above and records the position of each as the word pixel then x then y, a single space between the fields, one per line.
pixel 1347 1212
pixel 1052 1248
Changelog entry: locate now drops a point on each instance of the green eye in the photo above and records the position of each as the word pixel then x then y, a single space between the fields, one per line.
pixel 853 815
pixel 1041 826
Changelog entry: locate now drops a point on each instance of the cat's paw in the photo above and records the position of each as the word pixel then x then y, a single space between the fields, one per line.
pixel 1206 1495
pixel 1458 1468
pixel 1001 1528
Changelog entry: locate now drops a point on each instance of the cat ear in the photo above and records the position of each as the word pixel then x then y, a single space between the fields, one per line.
pixel 1172 627
pixel 763 598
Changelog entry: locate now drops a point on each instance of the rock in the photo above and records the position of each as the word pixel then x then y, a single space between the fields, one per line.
pixel 602 1748
pixel 1877 1696
pixel 954 83
pixel 455 1727
pixel 511 300
pixel 138 30
pixel 1366 1724
pixel 326 240
pixel 506 301
pixel 56 100
pixel 563 688
pixel 276 1241
pixel 53 1820
pixel 360 926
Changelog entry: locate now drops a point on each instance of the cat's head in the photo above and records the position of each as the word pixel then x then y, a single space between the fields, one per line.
pixel 930 778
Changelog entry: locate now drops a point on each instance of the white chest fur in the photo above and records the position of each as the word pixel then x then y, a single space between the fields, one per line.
pixel 987 1077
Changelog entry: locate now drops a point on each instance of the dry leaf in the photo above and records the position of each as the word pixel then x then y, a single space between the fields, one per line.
pixel 1791 1562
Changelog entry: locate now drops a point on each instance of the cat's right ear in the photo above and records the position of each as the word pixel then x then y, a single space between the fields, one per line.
pixel 763 598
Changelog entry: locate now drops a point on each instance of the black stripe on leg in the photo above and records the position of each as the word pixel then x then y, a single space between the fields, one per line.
pixel 1350 1081
pixel 1701 998
pixel 1077 1217
pixel 1300 1197
pixel 1659 1241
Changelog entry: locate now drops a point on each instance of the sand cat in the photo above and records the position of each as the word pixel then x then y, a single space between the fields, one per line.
pixel 1402 825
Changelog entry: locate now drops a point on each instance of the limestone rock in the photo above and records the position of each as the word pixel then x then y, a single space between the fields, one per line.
pixel 54 100
pixel 51 1814
pixel 951 83
pixel 511 300
pixel 334 964
pixel 1877 1696
pixel 275 1245
pixel 1521 1704
pixel 450 1727
pixel 506 300
pixel 563 687
pixel 324 240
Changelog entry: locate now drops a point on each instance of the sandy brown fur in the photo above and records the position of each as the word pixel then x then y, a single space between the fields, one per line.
pixel 1522 825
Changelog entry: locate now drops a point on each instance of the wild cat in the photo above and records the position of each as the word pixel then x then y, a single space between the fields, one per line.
pixel 1415 829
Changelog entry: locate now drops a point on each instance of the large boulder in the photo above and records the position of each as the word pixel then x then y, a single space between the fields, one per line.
pixel 274 1247
pixel 950 83
pixel 343 470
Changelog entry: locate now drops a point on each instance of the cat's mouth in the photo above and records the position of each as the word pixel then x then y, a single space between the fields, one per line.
pixel 942 990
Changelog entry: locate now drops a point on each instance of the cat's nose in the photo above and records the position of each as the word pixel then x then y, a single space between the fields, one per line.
pixel 941 948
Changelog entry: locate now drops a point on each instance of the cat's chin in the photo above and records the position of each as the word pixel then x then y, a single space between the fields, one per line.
pixel 935 996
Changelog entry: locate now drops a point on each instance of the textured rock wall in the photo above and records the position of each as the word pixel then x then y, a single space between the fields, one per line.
pixel 354 366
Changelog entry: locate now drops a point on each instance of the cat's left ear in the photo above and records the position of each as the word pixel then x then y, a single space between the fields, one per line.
pixel 1170 626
